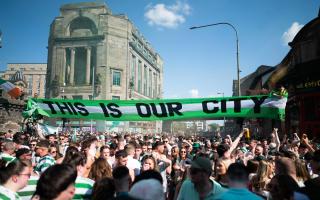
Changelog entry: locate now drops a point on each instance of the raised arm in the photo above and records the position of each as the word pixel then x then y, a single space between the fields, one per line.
pixel 234 144
pixel 305 140
pixel 276 138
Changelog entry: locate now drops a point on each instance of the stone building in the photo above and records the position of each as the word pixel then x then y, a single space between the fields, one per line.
pixel 93 53
pixel 31 74
pixel 299 73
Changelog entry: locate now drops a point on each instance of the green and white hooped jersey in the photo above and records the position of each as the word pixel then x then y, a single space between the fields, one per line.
pixel 6 194
pixel 27 192
pixel 6 157
pixel 83 188
pixel 44 163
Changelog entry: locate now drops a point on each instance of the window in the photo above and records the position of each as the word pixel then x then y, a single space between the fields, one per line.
pixel 30 84
pixel 155 85
pixel 150 83
pixel 77 97
pixel 115 97
pixel 116 77
pixel 139 76
pixel 145 81
pixel 38 86
pixel 133 70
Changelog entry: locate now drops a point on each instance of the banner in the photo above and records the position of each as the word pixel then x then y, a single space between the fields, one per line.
pixel 262 106
pixel 45 129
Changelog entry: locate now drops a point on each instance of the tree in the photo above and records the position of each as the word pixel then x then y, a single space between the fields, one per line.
pixel 214 127
pixel 178 127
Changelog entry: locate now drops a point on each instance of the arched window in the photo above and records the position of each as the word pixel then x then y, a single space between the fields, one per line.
pixel 82 26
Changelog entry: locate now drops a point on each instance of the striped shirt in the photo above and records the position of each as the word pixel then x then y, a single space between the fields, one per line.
pixel 27 192
pixel 44 163
pixel 6 157
pixel 83 188
pixel 6 194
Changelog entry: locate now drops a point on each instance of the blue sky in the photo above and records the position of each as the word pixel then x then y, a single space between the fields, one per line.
pixel 198 63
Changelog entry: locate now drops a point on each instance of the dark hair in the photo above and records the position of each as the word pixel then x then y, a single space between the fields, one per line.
pixel 252 166
pixel 120 172
pixel 71 150
pixel 103 189
pixel 222 148
pixel 86 143
pixel 103 148
pixel 237 172
pixel 50 135
pixel 286 186
pixel 43 143
pixel 113 146
pixel 156 144
pixel 121 153
pixel 8 169
pixel 17 138
pixel 55 180
pixel 76 159
pixel 22 151
pixel 148 175
pixel 138 146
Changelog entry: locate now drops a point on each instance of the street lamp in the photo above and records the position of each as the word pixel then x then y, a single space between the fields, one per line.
pixel 237 41
pixel 224 118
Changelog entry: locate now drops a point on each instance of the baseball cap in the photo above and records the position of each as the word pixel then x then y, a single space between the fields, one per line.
pixel 202 163
pixel 196 145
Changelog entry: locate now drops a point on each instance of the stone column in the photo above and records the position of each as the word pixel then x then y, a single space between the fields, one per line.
pixel 88 65
pixel 71 78
pixel 64 66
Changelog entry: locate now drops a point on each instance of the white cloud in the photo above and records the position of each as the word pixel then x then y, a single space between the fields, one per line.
pixel 194 93
pixel 180 7
pixel 291 32
pixel 167 16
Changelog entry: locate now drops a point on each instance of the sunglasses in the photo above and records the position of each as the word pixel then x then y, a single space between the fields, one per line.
pixel 33 145
pixel 53 152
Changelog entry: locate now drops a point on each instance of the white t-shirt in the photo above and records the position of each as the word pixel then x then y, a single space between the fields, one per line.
pixel 134 164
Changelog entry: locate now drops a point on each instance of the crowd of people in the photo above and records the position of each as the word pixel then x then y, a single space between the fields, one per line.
pixel 160 166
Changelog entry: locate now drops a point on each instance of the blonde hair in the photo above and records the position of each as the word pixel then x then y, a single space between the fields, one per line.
pixel 263 176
